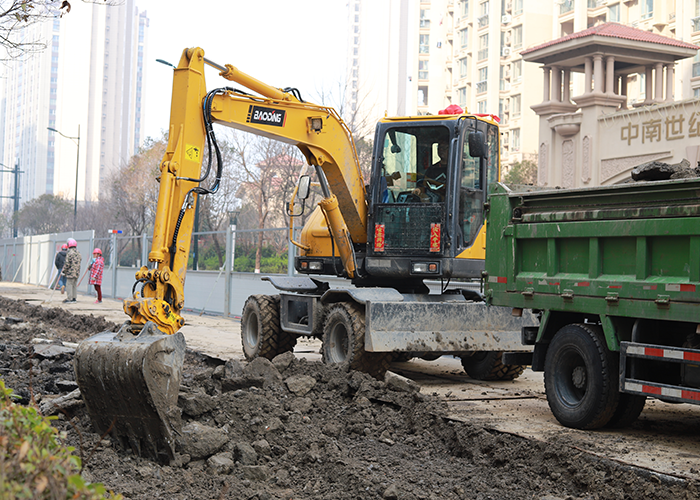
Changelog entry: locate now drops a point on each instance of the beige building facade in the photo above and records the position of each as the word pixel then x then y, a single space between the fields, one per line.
pixel 468 52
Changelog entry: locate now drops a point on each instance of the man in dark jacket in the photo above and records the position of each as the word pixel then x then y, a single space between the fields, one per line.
pixel 59 261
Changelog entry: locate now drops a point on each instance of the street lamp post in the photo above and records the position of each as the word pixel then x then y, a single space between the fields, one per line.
pixel 15 197
pixel 77 165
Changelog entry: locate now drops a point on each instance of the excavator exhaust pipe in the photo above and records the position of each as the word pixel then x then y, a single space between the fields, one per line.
pixel 130 381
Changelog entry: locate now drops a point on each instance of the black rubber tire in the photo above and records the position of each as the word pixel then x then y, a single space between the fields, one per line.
pixel 488 365
pixel 580 377
pixel 344 341
pixel 629 407
pixel 261 333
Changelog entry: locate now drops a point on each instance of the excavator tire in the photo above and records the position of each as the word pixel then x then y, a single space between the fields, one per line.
pixel 488 365
pixel 130 381
pixel 261 333
pixel 344 341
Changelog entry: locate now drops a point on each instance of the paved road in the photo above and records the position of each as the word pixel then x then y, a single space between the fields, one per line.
pixel 666 439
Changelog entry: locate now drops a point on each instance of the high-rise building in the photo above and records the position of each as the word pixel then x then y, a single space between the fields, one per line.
pixel 86 84
pixel 467 52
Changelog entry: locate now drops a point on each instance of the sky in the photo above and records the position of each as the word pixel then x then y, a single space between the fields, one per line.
pixel 297 43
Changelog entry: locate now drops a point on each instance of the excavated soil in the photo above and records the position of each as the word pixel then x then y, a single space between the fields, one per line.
pixel 296 429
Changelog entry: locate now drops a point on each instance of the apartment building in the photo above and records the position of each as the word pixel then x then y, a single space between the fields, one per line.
pixel 87 85
pixel 467 52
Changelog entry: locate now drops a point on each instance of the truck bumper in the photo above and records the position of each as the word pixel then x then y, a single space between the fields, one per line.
pixel 447 327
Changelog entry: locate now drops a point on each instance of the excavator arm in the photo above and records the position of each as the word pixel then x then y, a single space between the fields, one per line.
pixel 130 380
pixel 317 131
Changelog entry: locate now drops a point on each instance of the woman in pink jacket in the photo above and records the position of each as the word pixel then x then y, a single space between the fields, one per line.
pixel 96 268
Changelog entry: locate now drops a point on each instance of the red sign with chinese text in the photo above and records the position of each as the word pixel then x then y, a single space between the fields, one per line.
pixel 379 237
pixel 434 237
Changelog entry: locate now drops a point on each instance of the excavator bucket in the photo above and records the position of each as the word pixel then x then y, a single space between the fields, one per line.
pixel 130 385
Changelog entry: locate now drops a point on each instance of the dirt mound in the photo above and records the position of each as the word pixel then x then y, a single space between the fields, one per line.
pixel 298 429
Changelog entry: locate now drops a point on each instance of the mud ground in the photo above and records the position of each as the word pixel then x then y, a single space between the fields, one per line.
pixel 297 429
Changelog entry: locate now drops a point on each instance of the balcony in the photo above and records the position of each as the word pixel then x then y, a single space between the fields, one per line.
pixel 482 54
pixel 483 21
pixel 482 86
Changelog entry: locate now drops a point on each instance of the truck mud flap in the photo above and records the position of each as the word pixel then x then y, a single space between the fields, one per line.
pixel 130 385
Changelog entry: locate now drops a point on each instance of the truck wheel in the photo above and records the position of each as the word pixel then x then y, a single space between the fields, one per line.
pixel 628 409
pixel 580 377
pixel 261 334
pixel 488 365
pixel 344 341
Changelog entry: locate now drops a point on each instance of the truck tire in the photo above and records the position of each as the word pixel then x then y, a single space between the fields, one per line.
pixel 261 333
pixel 580 377
pixel 628 409
pixel 488 365
pixel 344 341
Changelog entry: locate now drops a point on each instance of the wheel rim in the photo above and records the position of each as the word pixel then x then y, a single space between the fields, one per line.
pixel 251 330
pixel 338 349
pixel 571 381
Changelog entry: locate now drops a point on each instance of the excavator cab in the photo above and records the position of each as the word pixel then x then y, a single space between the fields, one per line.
pixel 427 196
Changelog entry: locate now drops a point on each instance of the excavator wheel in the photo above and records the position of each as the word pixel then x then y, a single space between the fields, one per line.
pixel 344 341
pixel 488 365
pixel 130 381
pixel 261 333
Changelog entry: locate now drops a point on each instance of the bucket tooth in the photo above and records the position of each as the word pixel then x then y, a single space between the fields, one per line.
pixel 130 385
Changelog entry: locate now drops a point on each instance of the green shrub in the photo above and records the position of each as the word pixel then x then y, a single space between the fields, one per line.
pixel 33 461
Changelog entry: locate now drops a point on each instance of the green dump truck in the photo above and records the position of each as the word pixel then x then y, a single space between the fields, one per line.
pixel 614 273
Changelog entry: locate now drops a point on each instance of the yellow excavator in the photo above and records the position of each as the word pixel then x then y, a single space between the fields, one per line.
pixel 421 218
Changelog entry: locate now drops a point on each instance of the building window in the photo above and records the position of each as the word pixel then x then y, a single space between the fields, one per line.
pixel 423 70
pixel 614 13
pixel 515 105
pixel 696 93
pixel 518 37
pixel 566 6
pixel 423 95
pixel 517 70
pixel 462 97
pixel 463 67
pixel 424 44
pixel 515 139
pixel 483 47
pixel 464 38
pixel 464 8
pixel 647 8
pixel 696 66
pixel 482 83
pixel 424 18
pixel 483 18
pixel 517 7
pixel 481 106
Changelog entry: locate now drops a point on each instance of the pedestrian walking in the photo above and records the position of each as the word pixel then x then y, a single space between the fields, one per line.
pixel 71 270
pixel 96 268
pixel 59 262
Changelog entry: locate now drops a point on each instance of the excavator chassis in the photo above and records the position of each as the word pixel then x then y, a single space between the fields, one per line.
pixel 130 381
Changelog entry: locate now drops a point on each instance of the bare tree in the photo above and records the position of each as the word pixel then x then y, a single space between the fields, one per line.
pixel 271 170
pixel 133 190
pixel 16 15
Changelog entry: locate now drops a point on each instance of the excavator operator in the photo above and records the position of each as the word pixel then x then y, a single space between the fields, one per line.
pixel 431 187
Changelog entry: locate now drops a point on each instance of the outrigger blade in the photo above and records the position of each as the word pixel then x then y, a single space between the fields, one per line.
pixel 130 383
